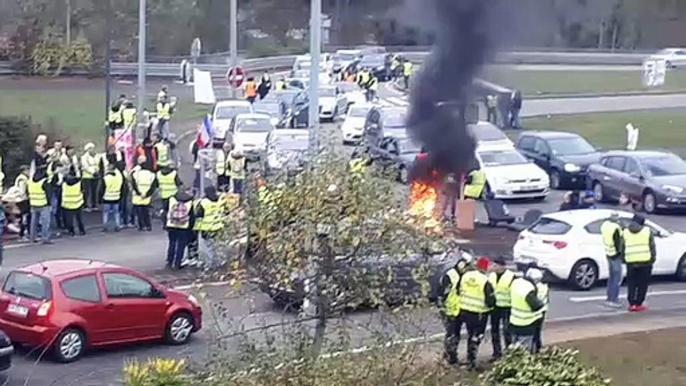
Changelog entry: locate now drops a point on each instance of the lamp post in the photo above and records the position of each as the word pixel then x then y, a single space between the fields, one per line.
pixel 315 52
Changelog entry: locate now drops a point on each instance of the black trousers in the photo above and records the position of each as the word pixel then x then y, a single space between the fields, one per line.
pixel 71 217
pixel 538 335
pixel 492 116
pixel 638 278
pixel 24 217
pixel 90 188
pixel 453 327
pixel 193 246
pixel 500 319
pixel 223 183
pixel 143 216
pixel 476 327
pixel 178 240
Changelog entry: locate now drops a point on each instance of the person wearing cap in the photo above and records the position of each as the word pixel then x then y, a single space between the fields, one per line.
pixel 639 257
pixel 501 279
pixel 89 170
pixel 525 311
pixel 477 299
pixel 143 184
pixel 236 170
pixel 612 233
pixel 449 299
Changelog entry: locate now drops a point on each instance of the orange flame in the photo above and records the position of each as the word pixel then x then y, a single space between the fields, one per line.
pixel 422 210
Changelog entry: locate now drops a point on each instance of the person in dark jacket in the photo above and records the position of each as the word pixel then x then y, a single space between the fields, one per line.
pixel 515 109
pixel 448 299
pixel 180 223
pixel 588 201
pixel 639 256
pixel 568 202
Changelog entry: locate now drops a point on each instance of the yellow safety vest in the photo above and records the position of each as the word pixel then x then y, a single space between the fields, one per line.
pixel 212 217
pixel 129 116
pixel 162 154
pixel 72 196
pixel 637 246
pixel 220 163
pixel 115 116
pixel 358 165
pixel 37 196
pixel 542 290
pixel 521 314
pixel 163 111
pixel 452 301
pixel 363 77
pixel 473 292
pixel 280 85
pixel 21 184
pixel 608 230
pixel 374 84
pixel 89 165
pixel 167 184
pixel 171 224
pixel 407 69
pixel 475 189
pixel 237 168
pixel 144 179
pixel 113 185
pixel 502 288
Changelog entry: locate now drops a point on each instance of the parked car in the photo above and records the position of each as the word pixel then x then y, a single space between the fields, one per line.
pixel 223 114
pixel 367 49
pixel 250 133
pixel 652 180
pixel 286 150
pixel 274 107
pixel 510 175
pixel 396 155
pixel 332 103
pixel 488 134
pixel 6 351
pixel 344 58
pixel 673 57
pixel 300 111
pixel 564 156
pixel 385 121
pixel 568 246
pixel 378 64
pixel 353 124
pixel 71 305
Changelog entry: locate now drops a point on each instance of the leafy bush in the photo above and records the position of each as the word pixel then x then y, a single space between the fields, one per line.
pixel 554 366
pixel 50 56
pixel 155 372
pixel 16 144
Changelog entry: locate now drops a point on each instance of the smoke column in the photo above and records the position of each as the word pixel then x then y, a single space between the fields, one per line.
pixel 442 87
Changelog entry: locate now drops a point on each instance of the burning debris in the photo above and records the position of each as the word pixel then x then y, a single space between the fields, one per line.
pixel 423 207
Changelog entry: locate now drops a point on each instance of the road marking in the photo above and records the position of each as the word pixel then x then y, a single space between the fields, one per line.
pixel 586 299
pixel 398 101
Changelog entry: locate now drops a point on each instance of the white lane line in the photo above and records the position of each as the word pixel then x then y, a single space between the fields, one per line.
pixel 586 299
pixel 386 103
pixel 397 101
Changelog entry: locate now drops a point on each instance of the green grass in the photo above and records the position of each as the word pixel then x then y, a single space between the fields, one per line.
pixel 77 115
pixel 542 83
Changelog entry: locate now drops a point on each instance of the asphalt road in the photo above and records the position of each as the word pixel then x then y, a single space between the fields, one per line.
pixel 146 252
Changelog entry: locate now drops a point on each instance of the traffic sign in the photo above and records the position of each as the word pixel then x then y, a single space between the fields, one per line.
pixel 236 76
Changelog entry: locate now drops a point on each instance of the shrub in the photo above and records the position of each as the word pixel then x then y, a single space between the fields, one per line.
pixel 554 366
pixel 16 144
pixel 155 372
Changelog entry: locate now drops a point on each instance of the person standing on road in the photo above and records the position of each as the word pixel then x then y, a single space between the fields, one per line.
pixel 492 109
pixel 451 193
pixel 250 89
pixel 407 73
pixel 265 85
pixel 475 184
pixel 179 225
pixel 639 256
pixel 221 167
pixel 164 113
pixel 38 190
pixel 449 299
pixel 169 182
pixel 112 189
pixel 89 167
pixel 515 110
pixel 72 203
pixel 501 279
pixel 209 222
pixel 526 306
pixel 21 183
pixel 162 151
pixel 612 233
pixel 236 170
pixel 543 293
pixel 143 184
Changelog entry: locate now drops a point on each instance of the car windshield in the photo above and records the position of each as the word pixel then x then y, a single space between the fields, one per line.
pixel 267 108
pixel 27 285
pixel 408 146
pixel 667 165
pixel 327 92
pixel 344 57
pixel 549 226
pixel 570 146
pixel 502 157
pixel 394 119
pixel 253 125
pixel 292 142
pixel 230 112
pixel 358 111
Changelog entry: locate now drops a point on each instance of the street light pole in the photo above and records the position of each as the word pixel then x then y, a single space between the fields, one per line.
pixel 108 66
pixel 141 63
pixel 233 40
pixel 315 53
pixel 68 23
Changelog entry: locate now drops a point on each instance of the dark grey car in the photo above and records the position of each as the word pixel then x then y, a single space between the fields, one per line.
pixel 396 155
pixel 651 180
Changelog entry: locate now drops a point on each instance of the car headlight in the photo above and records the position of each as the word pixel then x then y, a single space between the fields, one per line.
pixel 194 300
pixel 673 189
pixel 571 168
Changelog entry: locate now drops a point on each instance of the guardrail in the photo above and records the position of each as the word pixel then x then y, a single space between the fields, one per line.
pixel 170 70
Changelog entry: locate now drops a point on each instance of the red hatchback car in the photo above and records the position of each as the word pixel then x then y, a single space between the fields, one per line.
pixel 70 305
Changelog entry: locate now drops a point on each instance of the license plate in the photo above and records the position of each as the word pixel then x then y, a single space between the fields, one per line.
pixel 18 310
pixel 526 259
pixel 530 188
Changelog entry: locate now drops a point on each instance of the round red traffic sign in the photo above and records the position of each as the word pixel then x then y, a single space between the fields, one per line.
pixel 236 76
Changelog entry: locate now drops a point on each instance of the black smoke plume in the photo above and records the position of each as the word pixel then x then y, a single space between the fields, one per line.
pixel 441 91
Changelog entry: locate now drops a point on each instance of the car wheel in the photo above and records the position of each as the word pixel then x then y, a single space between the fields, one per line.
pixel 555 179
pixel 649 203
pixel 403 175
pixel 598 192
pixel 179 329
pixel 69 345
pixel 584 275
pixel 681 269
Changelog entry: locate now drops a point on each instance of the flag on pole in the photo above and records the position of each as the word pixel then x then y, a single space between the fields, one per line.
pixel 204 137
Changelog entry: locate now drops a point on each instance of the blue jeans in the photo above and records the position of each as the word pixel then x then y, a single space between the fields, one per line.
pixel 40 215
pixel 108 211
pixel 614 280
pixel 237 186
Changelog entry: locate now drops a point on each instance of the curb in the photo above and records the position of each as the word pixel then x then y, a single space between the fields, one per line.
pixel 600 95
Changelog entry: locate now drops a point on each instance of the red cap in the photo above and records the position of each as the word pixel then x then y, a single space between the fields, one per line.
pixel 482 263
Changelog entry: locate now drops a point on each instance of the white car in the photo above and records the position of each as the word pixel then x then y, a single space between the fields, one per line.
pixel 486 133
pixel 251 133
pixel 353 125
pixel 673 57
pixel 510 175
pixel 332 103
pixel 287 149
pixel 353 92
pixel 568 245
pixel 304 62
pixel 223 115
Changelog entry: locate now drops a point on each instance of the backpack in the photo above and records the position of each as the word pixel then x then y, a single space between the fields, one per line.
pixel 179 215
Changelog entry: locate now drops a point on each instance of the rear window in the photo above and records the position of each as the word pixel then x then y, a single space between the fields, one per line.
pixel 548 226
pixel 28 285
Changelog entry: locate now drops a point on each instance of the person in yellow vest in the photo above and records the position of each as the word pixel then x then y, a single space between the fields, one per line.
pixel 164 114
pixel 221 167
pixel 449 299
pixel 250 89
pixel 209 221
pixel 477 299
pixel 395 65
pixel 162 150
pixel 72 203
pixel 281 84
pixel 115 119
pixel 611 230
pixel 407 73
pixel 179 225
pixel 73 161
pixel 363 77
pixel 38 190
pixel 56 174
pixel 129 115
pixel 639 257
pixel 237 170
pixel 89 167
pixel 168 182
pixel 111 189
pixel 543 293
pixel 359 162
pixel 372 87
pixel 21 183
pixel 475 184
pixel 501 279
pixel 525 308
pixel 144 183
